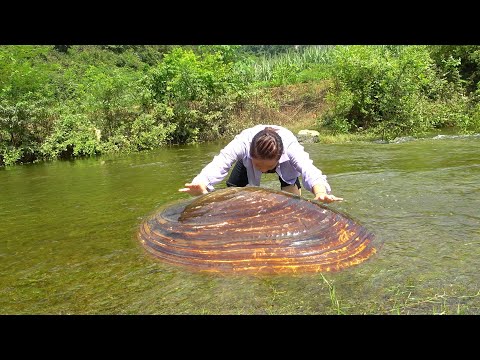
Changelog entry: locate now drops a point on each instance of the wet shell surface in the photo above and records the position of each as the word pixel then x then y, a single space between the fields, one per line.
pixel 254 229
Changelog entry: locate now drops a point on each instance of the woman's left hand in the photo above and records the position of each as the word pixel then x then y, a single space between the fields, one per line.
pixel 326 198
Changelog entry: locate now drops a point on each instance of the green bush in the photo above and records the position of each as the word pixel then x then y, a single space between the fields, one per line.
pixel 72 136
pixel 147 133
pixel 23 127
pixel 383 90
pixel 200 90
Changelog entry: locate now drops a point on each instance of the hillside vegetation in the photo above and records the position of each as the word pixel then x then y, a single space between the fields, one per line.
pixel 63 101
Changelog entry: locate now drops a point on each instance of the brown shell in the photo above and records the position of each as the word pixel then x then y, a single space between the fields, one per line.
pixel 253 229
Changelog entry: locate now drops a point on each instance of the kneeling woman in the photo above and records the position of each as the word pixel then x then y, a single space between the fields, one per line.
pixel 263 149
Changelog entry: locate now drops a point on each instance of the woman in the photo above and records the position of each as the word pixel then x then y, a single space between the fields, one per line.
pixel 263 149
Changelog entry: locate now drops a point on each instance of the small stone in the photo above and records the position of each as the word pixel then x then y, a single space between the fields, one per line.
pixel 308 136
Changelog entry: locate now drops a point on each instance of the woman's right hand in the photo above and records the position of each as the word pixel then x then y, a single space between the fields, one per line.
pixel 326 198
pixel 194 189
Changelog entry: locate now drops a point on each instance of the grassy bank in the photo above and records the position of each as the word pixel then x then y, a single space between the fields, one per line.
pixel 64 102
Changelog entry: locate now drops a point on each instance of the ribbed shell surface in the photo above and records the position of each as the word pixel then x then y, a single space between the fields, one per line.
pixel 255 229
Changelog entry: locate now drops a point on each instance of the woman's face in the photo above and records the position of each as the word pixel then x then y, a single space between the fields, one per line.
pixel 264 164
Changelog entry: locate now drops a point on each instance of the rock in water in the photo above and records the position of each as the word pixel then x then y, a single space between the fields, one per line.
pixel 258 230
pixel 308 136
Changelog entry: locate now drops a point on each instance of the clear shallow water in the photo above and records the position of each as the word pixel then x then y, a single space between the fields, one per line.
pixel 68 235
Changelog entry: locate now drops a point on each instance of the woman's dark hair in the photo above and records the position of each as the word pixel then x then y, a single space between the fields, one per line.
pixel 266 145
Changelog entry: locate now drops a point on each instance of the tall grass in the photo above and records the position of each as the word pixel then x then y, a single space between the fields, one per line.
pixel 266 66
pixel 333 297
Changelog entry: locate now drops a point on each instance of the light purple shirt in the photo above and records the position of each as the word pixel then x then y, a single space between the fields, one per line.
pixel 294 161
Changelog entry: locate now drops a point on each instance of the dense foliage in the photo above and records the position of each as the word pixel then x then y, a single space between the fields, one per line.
pixel 64 101
pixel 400 90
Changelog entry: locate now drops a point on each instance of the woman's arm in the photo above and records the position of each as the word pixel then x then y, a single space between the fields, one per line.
pixel 314 179
pixel 217 169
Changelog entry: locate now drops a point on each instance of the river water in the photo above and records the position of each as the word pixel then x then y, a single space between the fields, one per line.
pixel 68 235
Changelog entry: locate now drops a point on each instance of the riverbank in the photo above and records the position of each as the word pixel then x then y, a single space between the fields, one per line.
pixel 301 107
pixel 295 107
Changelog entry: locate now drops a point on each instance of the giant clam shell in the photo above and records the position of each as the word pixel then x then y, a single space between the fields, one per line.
pixel 254 229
